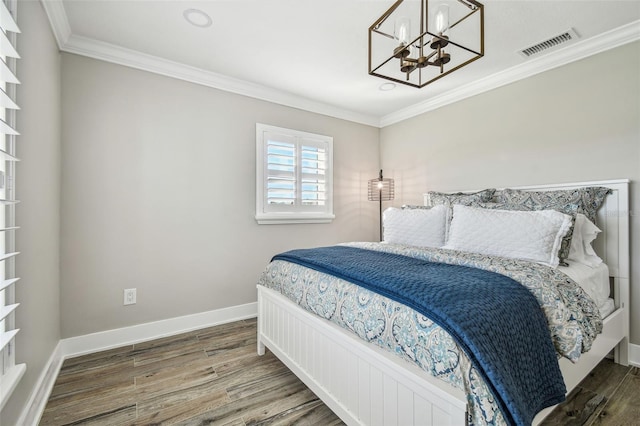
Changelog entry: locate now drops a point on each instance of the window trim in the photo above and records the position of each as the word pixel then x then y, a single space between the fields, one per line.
pixel 295 214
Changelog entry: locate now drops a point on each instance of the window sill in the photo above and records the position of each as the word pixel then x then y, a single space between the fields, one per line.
pixel 293 218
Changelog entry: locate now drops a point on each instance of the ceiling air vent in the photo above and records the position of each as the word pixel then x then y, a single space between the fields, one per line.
pixel 551 43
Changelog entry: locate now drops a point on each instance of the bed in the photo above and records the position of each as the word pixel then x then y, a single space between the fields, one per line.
pixel 365 381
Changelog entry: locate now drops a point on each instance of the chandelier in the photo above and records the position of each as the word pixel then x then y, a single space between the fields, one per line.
pixel 417 42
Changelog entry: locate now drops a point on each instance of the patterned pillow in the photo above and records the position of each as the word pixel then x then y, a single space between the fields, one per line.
pixel 587 200
pixel 570 201
pixel 466 199
pixel 414 207
pixel 571 210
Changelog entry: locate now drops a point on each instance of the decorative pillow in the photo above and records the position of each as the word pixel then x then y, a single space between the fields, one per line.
pixel 530 235
pixel 466 199
pixel 571 210
pixel 463 198
pixel 581 251
pixel 587 200
pixel 570 201
pixel 412 206
pixel 415 227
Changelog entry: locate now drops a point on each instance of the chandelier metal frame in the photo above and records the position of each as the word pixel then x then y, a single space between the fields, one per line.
pixel 428 49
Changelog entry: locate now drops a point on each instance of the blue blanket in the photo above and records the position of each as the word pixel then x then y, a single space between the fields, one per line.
pixel 494 319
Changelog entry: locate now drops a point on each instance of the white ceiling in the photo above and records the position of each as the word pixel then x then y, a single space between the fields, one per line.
pixel 312 54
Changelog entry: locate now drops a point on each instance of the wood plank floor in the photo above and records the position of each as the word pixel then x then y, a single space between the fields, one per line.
pixel 214 377
pixel 609 396
pixel 206 377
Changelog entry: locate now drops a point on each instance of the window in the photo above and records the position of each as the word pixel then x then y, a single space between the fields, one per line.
pixel 10 373
pixel 294 176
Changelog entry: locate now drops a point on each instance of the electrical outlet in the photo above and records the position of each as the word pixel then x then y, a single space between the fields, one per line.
pixel 129 296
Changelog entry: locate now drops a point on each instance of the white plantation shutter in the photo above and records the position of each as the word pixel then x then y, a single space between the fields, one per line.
pixel 281 171
pixel 293 176
pixel 10 373
pixel 313 173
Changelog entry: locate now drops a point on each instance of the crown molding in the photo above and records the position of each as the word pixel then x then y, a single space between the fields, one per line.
pixel 131 58
pixel 71 43
pixel 606 41
pixel 58 20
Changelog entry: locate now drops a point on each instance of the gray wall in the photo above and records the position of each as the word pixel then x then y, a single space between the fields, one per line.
pixel 580 122
pixel 158 193
pixel 38 188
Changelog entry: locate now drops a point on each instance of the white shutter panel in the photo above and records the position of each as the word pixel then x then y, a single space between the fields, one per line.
pixel 313 173
pixel 280 171
pixel 6 101
pixel 10 373
pixel 7 23
pixel 6 47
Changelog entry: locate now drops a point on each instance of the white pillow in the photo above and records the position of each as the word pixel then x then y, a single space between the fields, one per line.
pixel 581 251
pixel 415 227
pixel 528 235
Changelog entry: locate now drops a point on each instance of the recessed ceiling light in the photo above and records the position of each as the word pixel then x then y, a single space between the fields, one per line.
pixel 198 18
pixel 387 86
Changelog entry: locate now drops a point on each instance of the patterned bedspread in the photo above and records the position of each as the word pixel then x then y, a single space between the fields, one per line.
pixel 573 318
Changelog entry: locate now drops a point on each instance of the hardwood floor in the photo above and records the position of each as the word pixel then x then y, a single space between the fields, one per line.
pixel 206 377
pixel 214 377
pixel 609 396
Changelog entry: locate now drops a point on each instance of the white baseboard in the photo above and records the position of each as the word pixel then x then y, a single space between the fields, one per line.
pixel 95 342
pixel 634 355
pixel 38 401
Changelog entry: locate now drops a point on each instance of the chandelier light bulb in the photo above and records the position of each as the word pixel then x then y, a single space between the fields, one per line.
pixel 402 30
pixel 442 18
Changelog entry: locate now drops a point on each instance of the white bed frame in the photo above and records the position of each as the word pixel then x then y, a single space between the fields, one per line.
pixel 366 385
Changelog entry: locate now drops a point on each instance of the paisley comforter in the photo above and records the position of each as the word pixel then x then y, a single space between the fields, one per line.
pixel 572 316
